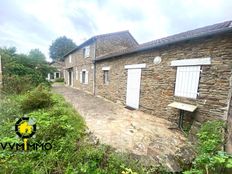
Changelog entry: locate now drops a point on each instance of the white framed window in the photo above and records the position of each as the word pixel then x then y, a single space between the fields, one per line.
pixel 188 76
pixel 70 58
pixel 106 77
pixel 187 81
pixel 86 52
pixel 77 74
pixel 57 75
pixel 84 77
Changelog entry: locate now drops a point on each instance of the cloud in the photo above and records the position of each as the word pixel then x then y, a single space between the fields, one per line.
pixel 30 24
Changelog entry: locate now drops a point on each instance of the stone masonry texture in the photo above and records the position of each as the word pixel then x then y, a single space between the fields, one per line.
pixel 102 45
pixel 158 81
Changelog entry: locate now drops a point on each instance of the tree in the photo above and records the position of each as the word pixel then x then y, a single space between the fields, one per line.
pixel 22 72
pixel 60 47
pixel 37 55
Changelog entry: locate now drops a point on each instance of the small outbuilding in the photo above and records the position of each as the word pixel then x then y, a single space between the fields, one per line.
pixel 59 73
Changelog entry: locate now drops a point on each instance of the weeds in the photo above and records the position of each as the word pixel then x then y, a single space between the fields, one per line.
pixel 211 159
pixel 73 150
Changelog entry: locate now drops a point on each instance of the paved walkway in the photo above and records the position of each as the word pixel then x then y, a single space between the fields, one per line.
pixel 127 130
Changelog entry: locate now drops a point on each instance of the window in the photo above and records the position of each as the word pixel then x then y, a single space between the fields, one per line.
pixel 86 52
pixel 106 74
pixel 70 58
pixel 188 75
pixel 187 80
pixel 106 77
pixel 84 77
pixel 76 74
pixel 51 76
pixel 57 75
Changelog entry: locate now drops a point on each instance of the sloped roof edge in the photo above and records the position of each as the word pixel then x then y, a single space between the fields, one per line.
pixel 184 36
pixel 92 39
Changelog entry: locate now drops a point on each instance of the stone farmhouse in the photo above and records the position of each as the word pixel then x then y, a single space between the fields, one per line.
pixel 80 70
pixel 193 68
pixel 59 73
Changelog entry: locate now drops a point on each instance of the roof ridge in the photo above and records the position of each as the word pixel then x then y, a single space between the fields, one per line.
pixel 190 34
pixel 100 36
pixel 227 23
pixel 112 33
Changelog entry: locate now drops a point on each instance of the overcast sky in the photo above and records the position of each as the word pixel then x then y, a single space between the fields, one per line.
pixel 28 24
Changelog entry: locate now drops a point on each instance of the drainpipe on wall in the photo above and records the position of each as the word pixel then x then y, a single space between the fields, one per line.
pixel 94 68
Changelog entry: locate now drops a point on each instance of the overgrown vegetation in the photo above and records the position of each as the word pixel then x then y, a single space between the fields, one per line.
pixel 37 99
pixel 59 80
pixel 74 150
pixel 23 72
pixel 211 158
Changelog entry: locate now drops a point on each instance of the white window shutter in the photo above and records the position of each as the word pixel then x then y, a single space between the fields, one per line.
pixel 80 76
pixel 187 81
pixel 86 77
pixel 77 74
pixel 87 53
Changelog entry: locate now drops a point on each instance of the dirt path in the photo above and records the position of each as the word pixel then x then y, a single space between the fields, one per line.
pixel 127 130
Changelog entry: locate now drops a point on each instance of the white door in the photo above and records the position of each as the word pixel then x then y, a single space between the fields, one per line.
pixel 133 88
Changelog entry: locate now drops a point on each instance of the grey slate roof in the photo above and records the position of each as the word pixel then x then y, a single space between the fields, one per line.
pixel 92 39
pixel 188 35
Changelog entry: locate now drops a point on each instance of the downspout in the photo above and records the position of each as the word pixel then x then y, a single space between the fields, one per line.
pixel 94 68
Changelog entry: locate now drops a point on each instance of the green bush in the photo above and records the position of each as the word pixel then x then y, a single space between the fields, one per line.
pixel 23 72
pixel 211 158
pixel 39 98
pixel 10 107
pixel 59 80
pixel 16 84
pixel 74 150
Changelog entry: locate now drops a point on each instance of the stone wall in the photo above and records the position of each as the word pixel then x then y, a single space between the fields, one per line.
pixel 77 65
pixel 103 45
pixel 157 81
pixel 114 42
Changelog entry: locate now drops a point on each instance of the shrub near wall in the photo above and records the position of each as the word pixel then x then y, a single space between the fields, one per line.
pixel 211 158
pixel 74 150
pixel 22 72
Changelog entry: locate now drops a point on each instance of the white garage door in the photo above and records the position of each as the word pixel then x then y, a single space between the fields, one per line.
pixel 133 88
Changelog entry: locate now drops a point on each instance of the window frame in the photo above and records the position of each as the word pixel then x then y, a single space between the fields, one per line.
pixel 86 50
pixel 86 79
pixel 106 80
pixel 199 62
pixel 83 76
pixel 187 81
pixel 57 76
pixel 77 74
